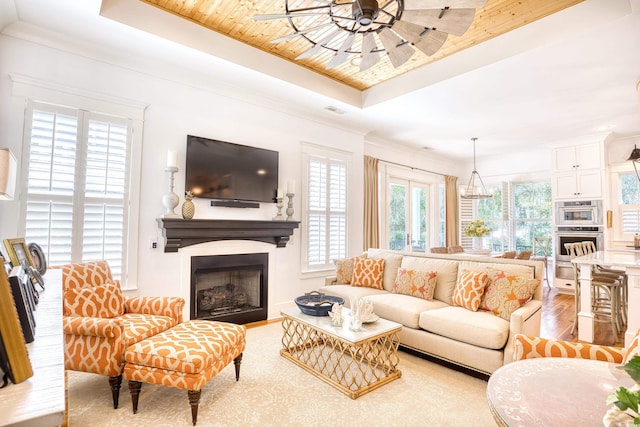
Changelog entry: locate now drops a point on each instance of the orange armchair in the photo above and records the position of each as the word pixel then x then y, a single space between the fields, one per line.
pixel 529 347
pixel 99 323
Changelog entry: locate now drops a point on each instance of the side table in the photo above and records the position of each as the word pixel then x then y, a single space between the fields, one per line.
pixel 553 391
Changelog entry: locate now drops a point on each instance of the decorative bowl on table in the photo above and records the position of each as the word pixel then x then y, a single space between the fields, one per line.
pixel 317 304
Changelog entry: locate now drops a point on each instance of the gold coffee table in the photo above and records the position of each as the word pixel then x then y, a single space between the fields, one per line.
pixel 354 362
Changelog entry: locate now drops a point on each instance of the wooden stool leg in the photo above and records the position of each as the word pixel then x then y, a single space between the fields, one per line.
pixel 115 383
pixel 134 389
pixel 194 400
pixel 237 362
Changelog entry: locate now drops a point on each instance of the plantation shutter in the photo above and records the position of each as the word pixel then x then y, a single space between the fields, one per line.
pixel 326 212
pixel 630 219
pixel 77 186
pixel 467 214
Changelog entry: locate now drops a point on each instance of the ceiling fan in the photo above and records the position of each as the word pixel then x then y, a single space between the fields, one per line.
pixel 365 28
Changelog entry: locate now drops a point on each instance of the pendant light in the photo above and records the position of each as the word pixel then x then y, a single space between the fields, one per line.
pixel 475 189
pixel 634 157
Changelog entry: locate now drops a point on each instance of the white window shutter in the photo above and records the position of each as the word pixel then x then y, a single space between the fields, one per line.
pixel 77 188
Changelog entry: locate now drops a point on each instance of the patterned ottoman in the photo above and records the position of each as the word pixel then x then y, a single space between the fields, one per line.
pixel 186 356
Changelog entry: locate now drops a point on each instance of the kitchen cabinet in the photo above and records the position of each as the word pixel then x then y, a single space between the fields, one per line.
pixel 577 172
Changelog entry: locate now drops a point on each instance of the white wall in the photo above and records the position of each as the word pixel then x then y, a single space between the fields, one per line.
pixel 174 110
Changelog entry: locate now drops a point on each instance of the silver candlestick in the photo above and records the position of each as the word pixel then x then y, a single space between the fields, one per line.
pixel 290 207
pixel 279 205
pixel 170 200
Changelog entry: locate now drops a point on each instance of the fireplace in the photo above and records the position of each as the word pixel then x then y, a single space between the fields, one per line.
pixel 230 288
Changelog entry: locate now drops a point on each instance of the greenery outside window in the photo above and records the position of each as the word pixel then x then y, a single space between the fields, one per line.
pixel 517 212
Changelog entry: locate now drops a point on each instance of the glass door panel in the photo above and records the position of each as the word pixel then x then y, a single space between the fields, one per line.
pixel 408 209
pixel 398 216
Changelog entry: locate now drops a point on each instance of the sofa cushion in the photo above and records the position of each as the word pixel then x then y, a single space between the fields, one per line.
pixel 447 274
pixel 104 301
pixel 348 291
pixel 478 328
pixel 469 289
pixel 392 262
pixel 344 270
pixel 403 309
pixel 368 272
pixel 416 283
pixel 507 293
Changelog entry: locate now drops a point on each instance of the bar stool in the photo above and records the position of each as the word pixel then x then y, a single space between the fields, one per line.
pixel 605 291
pixel 541 252
pixel 589 247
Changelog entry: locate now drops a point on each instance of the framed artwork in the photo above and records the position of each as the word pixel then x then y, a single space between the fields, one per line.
pixel 15 359
pixel 20 289
pixel 18 252
pixel 20 256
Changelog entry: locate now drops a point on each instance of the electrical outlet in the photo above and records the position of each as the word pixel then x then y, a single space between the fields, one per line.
pixel 153 243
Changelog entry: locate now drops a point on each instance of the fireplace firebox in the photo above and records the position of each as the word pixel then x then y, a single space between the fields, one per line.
pixel 230 288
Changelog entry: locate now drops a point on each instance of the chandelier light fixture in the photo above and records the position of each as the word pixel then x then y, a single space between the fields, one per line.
pixel 475 189
pixel 361 30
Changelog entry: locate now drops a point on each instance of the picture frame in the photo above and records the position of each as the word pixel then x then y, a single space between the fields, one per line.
pixel 20 256
pixel 24 303
pixel 17 364
pixel 18 252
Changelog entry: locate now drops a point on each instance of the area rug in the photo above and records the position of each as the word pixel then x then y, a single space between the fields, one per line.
pixel 272 391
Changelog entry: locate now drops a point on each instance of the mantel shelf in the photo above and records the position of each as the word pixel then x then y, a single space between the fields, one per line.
pixel 179 233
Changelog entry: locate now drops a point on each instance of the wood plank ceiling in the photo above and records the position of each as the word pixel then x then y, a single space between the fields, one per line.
pixel 235 19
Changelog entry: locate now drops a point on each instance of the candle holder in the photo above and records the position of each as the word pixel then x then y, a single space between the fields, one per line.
pixel 290 207
pixel 279 205
pixel 170 200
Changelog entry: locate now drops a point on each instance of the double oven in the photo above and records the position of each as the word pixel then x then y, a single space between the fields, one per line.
pixel 576 221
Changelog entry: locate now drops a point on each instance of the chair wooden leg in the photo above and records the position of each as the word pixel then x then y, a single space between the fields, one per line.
pixel 237 362
pixel 194 400
pixel 115 383
pixel 134 389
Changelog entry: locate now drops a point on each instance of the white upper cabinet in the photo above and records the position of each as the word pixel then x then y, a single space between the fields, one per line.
pixel 577 172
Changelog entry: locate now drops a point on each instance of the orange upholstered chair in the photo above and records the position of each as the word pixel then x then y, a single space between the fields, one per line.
pixel 529 347
pixel 99 323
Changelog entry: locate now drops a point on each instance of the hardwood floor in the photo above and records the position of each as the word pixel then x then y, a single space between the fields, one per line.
pixel 557 320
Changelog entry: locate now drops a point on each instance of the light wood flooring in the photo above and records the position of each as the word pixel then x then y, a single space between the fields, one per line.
pixel 557 320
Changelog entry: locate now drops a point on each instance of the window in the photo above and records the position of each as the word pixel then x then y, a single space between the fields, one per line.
pixel 77 190
pixel 517 212
pixel 326 208
pixel 626 218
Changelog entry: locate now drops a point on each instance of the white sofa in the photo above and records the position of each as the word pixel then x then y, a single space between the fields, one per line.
pixel 478 340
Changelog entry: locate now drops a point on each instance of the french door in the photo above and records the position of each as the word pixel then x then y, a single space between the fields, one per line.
pixel 408 215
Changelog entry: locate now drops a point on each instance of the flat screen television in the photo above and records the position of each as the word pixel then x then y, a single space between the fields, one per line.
pixel 225 171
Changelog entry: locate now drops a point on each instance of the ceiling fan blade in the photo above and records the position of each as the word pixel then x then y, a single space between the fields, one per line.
pixel 399 52
pixel 369 57
pixel 298 33
pixel 453 21
pixel 270 16
pixel 441 4
pixel 428 41
pixel 318 46
pixel 342 55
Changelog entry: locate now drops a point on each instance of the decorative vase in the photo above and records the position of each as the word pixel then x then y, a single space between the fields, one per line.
pixel 188 208
pixel 477 243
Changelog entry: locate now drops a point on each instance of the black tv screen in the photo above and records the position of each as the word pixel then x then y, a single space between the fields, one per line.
pixel 225 171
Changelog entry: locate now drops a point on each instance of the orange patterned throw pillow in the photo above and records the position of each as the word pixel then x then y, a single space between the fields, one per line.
pixel 368 272
pixel 505 294
pixel 416 283
pixel 104 301
pixel 344 270
pixel 469 289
